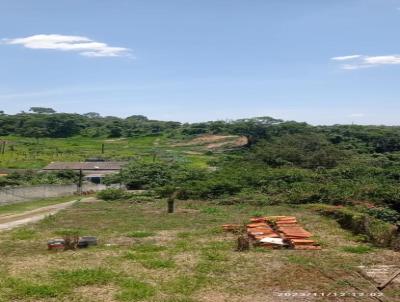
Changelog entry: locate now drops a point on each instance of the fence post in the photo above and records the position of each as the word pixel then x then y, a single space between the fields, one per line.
pixel 80 182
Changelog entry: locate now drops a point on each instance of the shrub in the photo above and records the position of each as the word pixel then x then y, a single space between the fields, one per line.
pixel 384 214
pixel 112 194
pixel 379 232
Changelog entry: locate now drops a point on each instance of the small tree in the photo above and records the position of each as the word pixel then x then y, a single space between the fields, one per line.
pixel 92 115
pixel 42 110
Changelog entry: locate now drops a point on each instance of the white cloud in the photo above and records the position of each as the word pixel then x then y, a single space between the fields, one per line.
pixel 362 61
pixel 381 60
pixel 82 45
pixel 345 58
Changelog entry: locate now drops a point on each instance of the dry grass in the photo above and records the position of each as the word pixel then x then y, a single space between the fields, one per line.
pixel 183 257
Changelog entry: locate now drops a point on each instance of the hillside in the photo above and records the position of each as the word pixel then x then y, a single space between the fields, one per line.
pixel 29 153
pixel 259 160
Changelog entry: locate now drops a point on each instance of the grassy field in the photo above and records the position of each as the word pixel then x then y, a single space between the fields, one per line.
pixel 16 208
pixel 31 153
pixel 145 254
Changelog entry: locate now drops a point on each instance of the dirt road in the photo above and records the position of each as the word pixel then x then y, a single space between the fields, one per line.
pixel 8 222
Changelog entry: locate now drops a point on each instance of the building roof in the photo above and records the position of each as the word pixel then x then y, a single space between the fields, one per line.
pixel 110 165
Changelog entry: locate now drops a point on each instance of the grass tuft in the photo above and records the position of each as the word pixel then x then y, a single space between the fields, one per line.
pixel 158 263
pixel 300 260
pixel 140 234
pixel 148 248
pixel 185 284
pixel 86 276
pixel 23 234
pixel 150 261
pixel 360 249
pixel 211 210
pixel 23 289
pixel 134 290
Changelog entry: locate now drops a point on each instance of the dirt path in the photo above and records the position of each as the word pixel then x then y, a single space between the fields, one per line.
pixel 8 222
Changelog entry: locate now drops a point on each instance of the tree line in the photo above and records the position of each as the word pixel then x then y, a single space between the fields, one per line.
pixel 263 131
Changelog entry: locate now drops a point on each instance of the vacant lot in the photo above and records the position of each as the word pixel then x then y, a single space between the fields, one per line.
pixel 145 254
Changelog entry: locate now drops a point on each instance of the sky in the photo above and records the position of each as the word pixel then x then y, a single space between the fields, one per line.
pixel 322 62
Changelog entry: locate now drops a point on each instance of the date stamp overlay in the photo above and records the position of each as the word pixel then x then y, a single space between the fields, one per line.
pixel 293 294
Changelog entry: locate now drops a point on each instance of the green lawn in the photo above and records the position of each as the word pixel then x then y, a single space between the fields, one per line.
pixel 16 208
pixel 145 254
pixel 30 153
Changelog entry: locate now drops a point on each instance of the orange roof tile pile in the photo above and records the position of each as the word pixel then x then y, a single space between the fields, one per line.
pixel 278 232
pixel 258 230
pixel 289 229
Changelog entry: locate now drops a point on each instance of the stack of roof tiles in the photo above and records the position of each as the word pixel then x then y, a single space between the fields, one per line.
pixel 258 229
pixel 289 229
pixel 278 232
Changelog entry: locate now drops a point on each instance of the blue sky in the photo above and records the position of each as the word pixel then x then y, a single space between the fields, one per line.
pixel 322 62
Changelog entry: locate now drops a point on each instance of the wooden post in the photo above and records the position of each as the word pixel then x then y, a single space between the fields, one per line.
pixel 102 148
pixel 80 182
pixel 387 282
pixel 171 202
pixel 171 205
pixel 3 147
pixel 243 244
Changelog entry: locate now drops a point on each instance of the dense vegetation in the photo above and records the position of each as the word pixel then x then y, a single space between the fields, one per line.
pixel 284 162
pixel 30 177
pixel 45 122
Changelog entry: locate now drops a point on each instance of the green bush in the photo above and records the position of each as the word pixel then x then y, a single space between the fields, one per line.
pixel 112 194
pixel 384 214
pixel 378 232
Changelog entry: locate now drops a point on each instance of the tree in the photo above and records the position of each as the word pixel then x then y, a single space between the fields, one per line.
pixel 255 128
pixel 137 118
pixel 142 175
pixel 42 110
pixel 92 115
pixel 302 150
